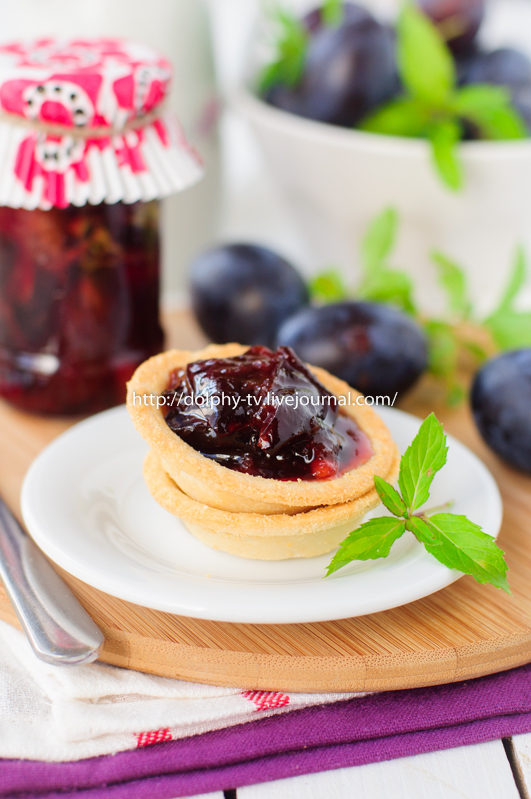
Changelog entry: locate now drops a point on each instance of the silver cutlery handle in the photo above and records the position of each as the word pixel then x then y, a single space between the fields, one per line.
pixel 57 626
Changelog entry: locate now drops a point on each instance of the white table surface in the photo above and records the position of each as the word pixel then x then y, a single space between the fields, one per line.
pixel 492 770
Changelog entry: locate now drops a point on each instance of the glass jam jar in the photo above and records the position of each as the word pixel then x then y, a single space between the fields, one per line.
pixel 86 154
pixel 79 304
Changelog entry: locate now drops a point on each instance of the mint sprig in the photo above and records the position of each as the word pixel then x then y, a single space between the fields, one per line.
pixel 444 135
pixel 379 240
pixel 448 339
pixel 425 63
pixel 452 339
pixel 509 327
pixel 291 45
pixel 288 65
pixel 381 282
pixel 460 544
pixel 489 109
pixel 445 348
pixel 373 540
pixel 451 538
pixel 390 496
pixel 433 107
pixel 328 286
pixel 332 11
pixel 424 457
pixel 453 280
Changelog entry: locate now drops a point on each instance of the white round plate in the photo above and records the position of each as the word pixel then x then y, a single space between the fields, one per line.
pixel 85 503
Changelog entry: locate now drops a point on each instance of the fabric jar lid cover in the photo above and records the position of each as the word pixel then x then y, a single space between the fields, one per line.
pixel 82 121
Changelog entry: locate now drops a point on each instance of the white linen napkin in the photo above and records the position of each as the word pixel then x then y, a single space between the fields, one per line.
pixel 58 713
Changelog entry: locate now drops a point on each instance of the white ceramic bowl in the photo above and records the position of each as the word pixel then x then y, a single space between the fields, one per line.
pixel 336 180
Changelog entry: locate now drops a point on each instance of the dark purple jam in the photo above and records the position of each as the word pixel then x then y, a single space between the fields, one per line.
pixel 79 304
pixel 265 414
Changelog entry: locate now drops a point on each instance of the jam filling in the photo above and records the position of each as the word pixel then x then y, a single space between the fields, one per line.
pixel 265 414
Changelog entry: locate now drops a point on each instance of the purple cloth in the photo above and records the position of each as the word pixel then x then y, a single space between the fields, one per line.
pixel 349 733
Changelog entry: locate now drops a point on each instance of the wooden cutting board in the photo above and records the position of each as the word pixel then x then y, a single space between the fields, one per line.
pixel 463 631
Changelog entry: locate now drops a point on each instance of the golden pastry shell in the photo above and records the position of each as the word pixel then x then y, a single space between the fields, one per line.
pixel 262 536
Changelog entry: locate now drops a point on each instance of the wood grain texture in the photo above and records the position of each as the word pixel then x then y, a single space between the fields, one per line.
pixel 463 631
pixel 470 772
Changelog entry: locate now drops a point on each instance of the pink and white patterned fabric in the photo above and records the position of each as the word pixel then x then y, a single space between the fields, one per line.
pixel 52 92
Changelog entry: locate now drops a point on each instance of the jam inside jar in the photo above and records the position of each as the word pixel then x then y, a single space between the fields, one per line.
pixel 79 304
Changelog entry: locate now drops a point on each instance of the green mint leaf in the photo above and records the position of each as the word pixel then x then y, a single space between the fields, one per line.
pixel 444 136
pixel 505 124
pixel 270 75
pixel 403 117
pixel 332 11
pixel 475 350
pixel 510 329
pixel 452 539
pixel 442 348
pixel 460 544
pixel 422 530
pixel 291 47
pixel 389 286
pixel 379 239
pixel 453 280
pixel 425 62
pixel 390 496
pixel 379 283
pixel 516 281
pixel 371 540
pixel 328 286
pixel 455 395
pixel 423 458
pixel 489 108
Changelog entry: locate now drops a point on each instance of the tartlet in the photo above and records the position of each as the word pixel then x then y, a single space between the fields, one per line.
pixel 257 535
pixel 217 487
